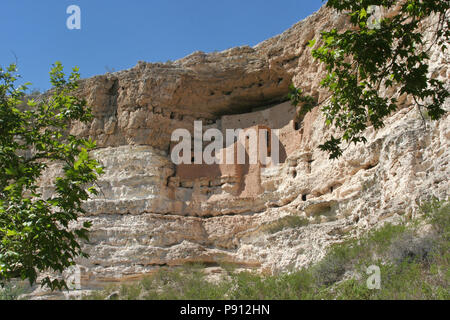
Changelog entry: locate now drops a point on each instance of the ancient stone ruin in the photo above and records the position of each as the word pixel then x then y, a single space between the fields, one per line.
pixel 152 213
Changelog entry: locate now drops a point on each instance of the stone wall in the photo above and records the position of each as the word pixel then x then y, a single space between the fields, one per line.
pixel 151 214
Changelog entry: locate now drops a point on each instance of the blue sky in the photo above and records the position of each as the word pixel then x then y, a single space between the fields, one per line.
pixel 116 34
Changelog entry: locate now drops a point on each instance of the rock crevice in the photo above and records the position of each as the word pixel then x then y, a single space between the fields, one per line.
pixel 152 213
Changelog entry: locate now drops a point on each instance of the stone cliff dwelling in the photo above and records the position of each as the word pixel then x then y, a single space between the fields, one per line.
pixel 151 213
pixel 247 176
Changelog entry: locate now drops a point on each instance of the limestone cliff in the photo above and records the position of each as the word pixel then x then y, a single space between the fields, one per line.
pixel 151 213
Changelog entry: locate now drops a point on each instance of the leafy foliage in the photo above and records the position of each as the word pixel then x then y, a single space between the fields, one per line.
pixel 413 266
pixel 34 231
pixel 371 57
pixel 297 97
pixel 287 222
pixel 13 291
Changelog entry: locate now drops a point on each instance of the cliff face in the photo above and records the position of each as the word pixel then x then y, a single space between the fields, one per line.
pixel 151 213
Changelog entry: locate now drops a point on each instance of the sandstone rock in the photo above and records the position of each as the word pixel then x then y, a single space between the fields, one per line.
pixel 151 214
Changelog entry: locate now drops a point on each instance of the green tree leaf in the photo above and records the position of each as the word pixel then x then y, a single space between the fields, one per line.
pixel 360 61
pixel 34 232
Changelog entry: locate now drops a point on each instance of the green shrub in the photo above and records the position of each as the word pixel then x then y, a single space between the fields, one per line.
pixel 409 247
pixel 288 222
pixel 334 265
pixel 412 267
pixel 13 290
pixel 438 213
pixel 130 291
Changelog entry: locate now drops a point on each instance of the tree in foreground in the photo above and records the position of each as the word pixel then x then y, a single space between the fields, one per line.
pixel 376 55
pixel 35 232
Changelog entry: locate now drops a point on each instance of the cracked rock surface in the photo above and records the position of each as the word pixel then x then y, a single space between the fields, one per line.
pixel 147 215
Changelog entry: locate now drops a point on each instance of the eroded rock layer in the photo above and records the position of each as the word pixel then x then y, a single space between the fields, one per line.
pixel 151 213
